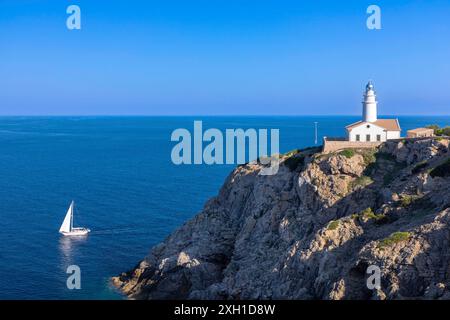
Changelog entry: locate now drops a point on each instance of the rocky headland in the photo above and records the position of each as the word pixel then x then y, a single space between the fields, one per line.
pixel 312 230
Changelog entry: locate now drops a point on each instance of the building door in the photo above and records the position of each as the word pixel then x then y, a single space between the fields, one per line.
pixel 378 137
pixel 358 137
pixel 368 138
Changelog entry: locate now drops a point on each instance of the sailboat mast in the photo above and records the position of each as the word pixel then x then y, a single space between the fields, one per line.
pixel 71 216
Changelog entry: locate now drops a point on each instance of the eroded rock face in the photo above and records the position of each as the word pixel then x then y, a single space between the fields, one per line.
pixel 306 233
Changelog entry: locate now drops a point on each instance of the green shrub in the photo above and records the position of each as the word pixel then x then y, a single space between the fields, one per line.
pixel 433 126
pixel 406 201
pixel 394 238
pixel 442 170
pixel 369 157
pixel 445 131
pixel 368 213
pixel 333 225
pixel 374 161
pixel 348 153
pixel 292 153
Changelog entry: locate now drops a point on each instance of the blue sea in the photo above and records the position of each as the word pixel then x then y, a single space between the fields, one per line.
pixel 125 186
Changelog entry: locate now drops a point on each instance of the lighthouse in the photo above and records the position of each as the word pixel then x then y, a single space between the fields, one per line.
pixel 370 128
pixel 369 132
pixel 370 104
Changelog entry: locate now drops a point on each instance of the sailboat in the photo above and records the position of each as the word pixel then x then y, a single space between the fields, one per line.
pixel 67 228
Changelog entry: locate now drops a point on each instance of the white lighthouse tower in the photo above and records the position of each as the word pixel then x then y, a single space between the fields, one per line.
pixel 370 128
pixel 370 104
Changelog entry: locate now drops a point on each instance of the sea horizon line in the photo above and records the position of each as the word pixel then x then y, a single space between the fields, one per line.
pixel 208 115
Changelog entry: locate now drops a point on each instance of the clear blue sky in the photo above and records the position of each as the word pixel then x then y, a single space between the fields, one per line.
pixel 223 57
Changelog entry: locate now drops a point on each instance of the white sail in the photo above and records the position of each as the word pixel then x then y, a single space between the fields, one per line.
pixel 67 223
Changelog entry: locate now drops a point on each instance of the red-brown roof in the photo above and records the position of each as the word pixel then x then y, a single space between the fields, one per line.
pixel 388 124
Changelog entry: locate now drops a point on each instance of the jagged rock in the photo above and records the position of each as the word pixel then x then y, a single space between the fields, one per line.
pixel 303 234
pixel 435 291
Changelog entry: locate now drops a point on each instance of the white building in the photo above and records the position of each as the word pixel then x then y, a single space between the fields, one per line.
pixel 370 128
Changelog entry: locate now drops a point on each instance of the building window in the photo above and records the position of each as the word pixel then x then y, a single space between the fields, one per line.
pixel 368 138
pixel 378 137
pixel 358 137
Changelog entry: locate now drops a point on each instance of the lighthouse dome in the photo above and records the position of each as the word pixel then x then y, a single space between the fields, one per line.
pixel 369 86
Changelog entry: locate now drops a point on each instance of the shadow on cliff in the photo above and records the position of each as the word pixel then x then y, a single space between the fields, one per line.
pixel 327 267
pixel 345 266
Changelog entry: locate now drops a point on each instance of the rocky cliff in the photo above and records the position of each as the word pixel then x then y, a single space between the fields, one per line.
pixel 312 230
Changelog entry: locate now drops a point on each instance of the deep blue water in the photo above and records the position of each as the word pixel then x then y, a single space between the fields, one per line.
pixel 119 172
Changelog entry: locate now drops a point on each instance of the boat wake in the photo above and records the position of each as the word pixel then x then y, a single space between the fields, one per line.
pixel 115 230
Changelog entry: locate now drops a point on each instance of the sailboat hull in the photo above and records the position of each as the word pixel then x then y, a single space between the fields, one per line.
pixel 76 232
